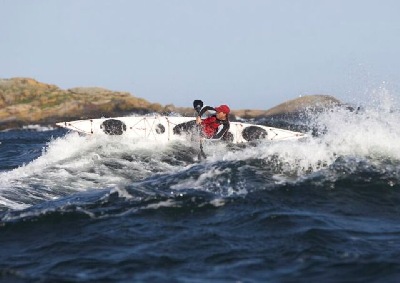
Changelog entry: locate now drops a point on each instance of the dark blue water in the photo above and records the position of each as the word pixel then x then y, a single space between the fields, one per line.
pixel 78 209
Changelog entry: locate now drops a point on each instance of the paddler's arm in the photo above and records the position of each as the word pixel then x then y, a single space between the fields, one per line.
pixel 222 130
pixel 202 111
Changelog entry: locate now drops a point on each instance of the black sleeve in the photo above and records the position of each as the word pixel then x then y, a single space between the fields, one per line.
pixel 219 134
pixel 205 109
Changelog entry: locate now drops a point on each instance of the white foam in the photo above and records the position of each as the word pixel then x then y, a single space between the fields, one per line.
pixel 372 132
pixel 76 163
pixel 38 128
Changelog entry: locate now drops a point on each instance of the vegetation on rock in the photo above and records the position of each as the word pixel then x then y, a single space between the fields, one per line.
pixel 26 101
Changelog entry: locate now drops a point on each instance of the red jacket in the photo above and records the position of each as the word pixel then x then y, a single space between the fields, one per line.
pixel 210 126
pixel 213 128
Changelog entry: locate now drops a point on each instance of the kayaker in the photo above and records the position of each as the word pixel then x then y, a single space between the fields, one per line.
pixel 217 125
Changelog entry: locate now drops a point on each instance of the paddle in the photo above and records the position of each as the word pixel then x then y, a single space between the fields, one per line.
pixel 197 105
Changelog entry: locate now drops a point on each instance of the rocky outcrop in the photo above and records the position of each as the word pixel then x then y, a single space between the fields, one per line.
pixel 310 103
pixel 294 107
pixel 26 101
pixel 296 114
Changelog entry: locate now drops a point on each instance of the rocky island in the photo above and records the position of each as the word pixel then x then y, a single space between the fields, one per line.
pixel 25 101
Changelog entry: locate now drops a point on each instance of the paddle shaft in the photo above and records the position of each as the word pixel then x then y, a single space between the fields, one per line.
pixel 197 105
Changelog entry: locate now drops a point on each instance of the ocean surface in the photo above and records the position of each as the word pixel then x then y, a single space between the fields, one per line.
pixel 324 209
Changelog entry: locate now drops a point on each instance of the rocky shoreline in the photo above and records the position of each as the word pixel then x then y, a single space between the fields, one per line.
pixel 25 101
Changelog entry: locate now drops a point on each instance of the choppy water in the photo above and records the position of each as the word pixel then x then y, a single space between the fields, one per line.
pixel 77 209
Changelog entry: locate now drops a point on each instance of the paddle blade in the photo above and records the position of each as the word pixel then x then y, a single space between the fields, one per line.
pixel 201 156
pixel 197 105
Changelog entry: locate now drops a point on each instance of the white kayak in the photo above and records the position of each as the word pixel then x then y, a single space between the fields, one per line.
pixel 164 128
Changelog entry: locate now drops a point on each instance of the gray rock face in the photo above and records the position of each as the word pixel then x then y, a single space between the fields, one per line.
pixel 313 103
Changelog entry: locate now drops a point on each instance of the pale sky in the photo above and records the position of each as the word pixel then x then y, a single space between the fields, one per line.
pixel 250 54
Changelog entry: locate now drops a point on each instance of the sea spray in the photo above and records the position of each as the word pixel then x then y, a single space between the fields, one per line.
pixel 74 163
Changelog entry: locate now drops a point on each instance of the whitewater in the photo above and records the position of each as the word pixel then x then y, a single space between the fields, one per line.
pixel 76 209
